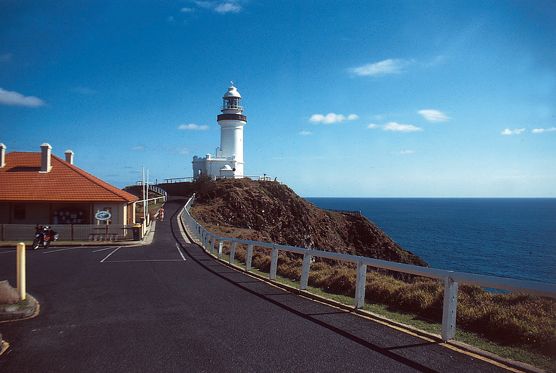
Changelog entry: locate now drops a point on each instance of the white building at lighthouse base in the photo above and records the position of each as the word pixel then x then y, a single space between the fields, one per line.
pixel 217 167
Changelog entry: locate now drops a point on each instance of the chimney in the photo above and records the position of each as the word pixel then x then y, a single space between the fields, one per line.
pixel 46 163
pixel 2 155
pixel 69 156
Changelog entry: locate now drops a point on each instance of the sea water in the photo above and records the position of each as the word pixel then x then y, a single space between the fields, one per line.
pixel 508 237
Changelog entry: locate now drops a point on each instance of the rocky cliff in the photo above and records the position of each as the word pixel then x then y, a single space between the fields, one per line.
pixel 272 212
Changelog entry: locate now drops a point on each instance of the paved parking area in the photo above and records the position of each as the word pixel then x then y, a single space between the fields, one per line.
pixel 169 307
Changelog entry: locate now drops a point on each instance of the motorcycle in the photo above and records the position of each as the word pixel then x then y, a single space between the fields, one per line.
pixel 44 236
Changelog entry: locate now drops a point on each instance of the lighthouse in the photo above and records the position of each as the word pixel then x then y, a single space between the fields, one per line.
pixel 228 160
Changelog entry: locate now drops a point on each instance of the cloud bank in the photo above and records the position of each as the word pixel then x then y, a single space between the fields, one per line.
pixel 399 127
pixel 12 98
pixel 193 127
pixel 385 67
pixel 221 7
pixel 332 118
pixel 543 130
pixel 511 132
pixel 433 115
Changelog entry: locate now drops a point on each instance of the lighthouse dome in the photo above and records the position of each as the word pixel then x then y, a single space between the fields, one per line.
pixel 232 92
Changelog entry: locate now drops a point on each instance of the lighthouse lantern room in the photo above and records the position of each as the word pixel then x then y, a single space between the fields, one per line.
pixel 228 160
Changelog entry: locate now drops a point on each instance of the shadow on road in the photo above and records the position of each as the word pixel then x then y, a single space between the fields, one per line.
pixel 372 335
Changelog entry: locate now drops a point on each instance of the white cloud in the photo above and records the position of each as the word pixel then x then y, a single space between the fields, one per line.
pixel 435 61
pixel 227 7
pixel 305 133
pixel 406 152
pixel 221 7
pixel 138 148
pixel 543 130
pixel 331 118
pixel 6 57
pixel 17 99
pixel 399 127
pixel 193 127
pixel 187 10
pixel 385 67
pixel 510 132
pixel 183 151
pixel 433 115
pixel 204 4
pixel 170 19
pixel 84 90
pixel 372 125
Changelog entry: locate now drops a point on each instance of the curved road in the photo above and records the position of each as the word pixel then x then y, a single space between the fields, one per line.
pixel 169 307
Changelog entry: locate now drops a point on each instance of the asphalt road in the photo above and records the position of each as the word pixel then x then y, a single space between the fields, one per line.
pixel 169 307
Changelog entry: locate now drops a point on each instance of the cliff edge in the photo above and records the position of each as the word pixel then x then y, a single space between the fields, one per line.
pixel 272 212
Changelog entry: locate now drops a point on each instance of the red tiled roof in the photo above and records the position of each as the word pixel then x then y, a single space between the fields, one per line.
pixel 20 180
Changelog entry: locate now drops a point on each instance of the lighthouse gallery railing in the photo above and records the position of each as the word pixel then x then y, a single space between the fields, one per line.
pixel 451 279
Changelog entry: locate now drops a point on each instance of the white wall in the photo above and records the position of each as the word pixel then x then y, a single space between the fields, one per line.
pixel 231 139
pixel 117 210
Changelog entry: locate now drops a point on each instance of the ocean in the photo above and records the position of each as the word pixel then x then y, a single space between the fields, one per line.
pixel 508 237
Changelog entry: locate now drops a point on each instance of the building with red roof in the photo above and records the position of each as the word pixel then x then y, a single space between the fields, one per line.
pixel 40 188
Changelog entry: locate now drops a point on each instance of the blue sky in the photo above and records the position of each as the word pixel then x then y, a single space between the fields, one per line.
pixel 351 98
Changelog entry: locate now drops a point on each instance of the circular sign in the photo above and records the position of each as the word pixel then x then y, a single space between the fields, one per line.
pixel 103 215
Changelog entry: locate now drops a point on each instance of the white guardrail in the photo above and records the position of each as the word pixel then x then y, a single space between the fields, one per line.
pixel 451 279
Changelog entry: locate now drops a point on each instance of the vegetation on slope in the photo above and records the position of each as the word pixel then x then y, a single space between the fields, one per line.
pixel 268 211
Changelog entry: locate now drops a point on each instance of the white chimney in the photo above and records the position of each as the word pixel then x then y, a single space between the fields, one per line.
pixel 46 163
pixel 2 155
pixel 69 156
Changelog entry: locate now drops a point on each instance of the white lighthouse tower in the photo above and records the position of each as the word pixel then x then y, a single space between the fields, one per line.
pixel 228 160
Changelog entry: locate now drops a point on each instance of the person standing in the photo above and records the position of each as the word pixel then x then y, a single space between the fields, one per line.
pixel 161 214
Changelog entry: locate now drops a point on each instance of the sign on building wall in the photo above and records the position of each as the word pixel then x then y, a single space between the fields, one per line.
pixel 103 215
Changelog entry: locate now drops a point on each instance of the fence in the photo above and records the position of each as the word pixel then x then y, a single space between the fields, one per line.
pixel 451 279
pixel 155 189
pixel 263 177
pixel 68 232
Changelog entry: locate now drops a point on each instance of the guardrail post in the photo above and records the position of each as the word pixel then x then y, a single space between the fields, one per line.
pixel 220 247
pixel 449 309
pixel 213 245
pixel 273 263
pixel 249 257
pixel 232 253
pixel 21 288
pixel 305 271
pixel 360 285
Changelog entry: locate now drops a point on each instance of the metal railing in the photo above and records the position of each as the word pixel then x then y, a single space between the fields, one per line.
pixel 451 279
pixel 263 177
pixel 155 189
pixel 178 180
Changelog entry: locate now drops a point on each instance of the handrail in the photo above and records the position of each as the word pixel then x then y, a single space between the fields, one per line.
pixel 451 278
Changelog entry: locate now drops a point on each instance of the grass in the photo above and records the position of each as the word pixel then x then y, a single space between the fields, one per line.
pixel 517 327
